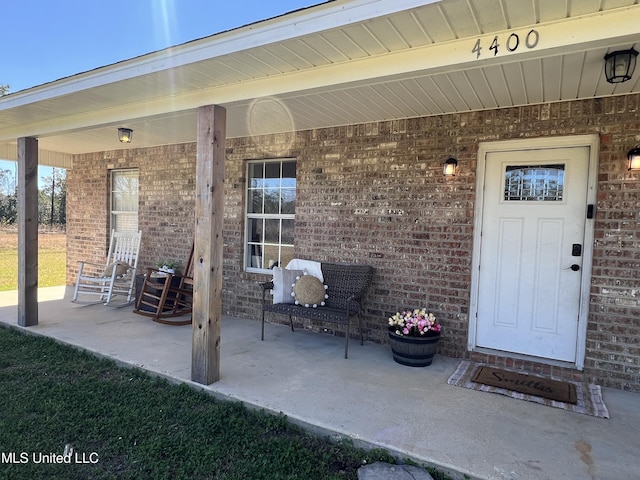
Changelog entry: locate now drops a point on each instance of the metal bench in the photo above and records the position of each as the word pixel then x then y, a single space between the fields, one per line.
pixel 347 285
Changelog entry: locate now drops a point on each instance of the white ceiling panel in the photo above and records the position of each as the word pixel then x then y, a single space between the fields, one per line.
pixel 610 4
pixel 499 86
pixel 424 101
pixel 451 93
pixel 431 87
pixel 570 81
pixel 480 83
pixel 380 68
pixel 551 78
pixel 466 90
pixel 550 10
pixel 323 45
pixel 588 86
pixel 490 14
pixel 435 23
pixel 460 18
pixel 514 79
pixel 520 12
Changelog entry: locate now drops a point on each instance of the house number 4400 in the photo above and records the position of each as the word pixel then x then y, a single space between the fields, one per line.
pixel 512 43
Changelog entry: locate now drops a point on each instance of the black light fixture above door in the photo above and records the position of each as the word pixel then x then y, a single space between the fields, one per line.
pixel 125 135
pixel 619 65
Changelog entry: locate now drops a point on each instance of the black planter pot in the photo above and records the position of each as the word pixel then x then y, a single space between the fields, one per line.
pixel 413 351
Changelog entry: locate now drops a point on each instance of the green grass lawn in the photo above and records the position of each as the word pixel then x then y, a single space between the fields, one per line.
pixel 124 424
pixel 134 426
pixel 52 259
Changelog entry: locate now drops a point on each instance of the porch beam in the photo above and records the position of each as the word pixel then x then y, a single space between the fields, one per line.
pixel 27 231
pixel 208 248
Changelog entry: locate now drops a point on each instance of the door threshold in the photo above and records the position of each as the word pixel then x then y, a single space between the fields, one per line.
pixel 527 358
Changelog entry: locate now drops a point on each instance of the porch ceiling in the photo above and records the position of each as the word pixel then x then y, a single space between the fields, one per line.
pixel 341 62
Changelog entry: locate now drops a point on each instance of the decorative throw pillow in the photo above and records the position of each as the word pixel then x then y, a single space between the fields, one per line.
pixel 120 267
pixel 309 291
pixel 283 280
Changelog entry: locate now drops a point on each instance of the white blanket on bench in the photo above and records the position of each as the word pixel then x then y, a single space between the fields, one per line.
pixel 309 266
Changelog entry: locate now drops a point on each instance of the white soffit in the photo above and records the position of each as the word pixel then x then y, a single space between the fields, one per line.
pixel 339 63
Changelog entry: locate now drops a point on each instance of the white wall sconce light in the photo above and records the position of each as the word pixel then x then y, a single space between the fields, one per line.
pixel 619 65
pixel 125 135
pixel 450 167
pixel 633 159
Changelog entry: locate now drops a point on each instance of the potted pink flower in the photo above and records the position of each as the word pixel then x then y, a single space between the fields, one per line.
pixel 413 336
pixel 415 323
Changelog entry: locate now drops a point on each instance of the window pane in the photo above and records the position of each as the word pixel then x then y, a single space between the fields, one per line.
pixel 271 255
pixel 255 230
pixel 287 231
pixel 286 255
pixel 534 183
pixel 272 175
pixel 125 222
pixel 272 231
pixel 256 175
pixel 272 170
pixel 272 200
pixel 289 174
pixel 125 201
pixel 288 201
pixel 255 256
pixel 255 201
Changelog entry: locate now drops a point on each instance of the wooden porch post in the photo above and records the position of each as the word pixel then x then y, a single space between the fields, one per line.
pixel 27 231
pixel 207 300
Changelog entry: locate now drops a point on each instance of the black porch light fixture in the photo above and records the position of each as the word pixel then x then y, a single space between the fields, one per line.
pixel 633 158
pixel 125 135
pixel 450 167
pixel 619 65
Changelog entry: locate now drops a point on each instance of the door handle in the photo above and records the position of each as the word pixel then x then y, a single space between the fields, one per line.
pixel 575 267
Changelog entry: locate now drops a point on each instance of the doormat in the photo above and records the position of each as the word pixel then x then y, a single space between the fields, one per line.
pixel 560 391
pixel 588 396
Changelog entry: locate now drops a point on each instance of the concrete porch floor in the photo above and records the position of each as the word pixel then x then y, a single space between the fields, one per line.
pixel 370 398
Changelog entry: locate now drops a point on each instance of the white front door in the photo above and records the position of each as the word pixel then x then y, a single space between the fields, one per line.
pixel 532 251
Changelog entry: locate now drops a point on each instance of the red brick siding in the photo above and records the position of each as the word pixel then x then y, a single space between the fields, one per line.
pixel 375 194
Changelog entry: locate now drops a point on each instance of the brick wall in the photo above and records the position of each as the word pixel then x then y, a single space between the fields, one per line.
pixel 375 194
pixel 166 203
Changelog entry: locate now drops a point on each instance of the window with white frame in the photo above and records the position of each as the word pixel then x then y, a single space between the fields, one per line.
pixel 124 200
pixel 270 213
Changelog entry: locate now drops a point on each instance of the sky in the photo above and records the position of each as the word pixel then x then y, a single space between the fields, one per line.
pixel 46 40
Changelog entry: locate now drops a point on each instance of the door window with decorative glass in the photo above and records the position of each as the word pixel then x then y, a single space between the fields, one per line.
pixel 124 200
pixel 270 216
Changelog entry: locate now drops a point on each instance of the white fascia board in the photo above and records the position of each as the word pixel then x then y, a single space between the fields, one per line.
pixel 296 24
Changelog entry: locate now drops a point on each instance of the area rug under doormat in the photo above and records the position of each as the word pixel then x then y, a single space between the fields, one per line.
pixel 588 396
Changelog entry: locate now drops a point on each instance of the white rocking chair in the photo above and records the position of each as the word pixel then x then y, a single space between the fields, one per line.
pixel 116 277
